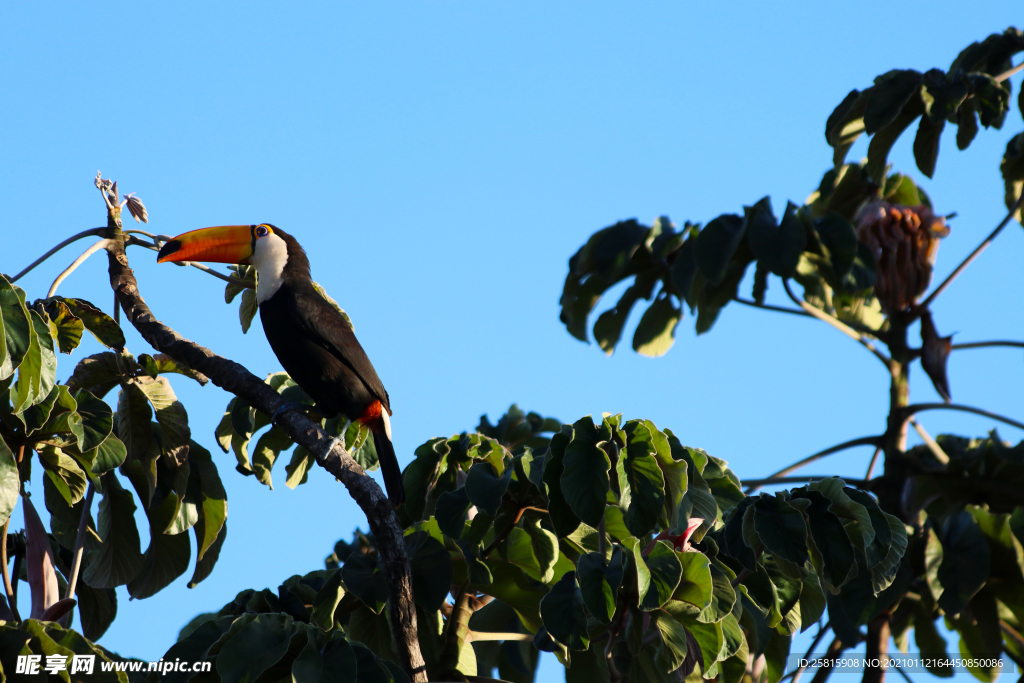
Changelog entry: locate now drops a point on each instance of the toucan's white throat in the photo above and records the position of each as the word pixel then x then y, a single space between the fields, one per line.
pixel 269 259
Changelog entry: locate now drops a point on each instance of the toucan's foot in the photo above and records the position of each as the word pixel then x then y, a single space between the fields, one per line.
pixel 285 407
pixel 336 441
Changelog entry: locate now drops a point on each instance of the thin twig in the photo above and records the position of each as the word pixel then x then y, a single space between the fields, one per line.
pixel 770 307
pixel 83 526
pixel 862 441
pixel 100 244
pixel 933 446
pixel 901 672
pixel 984 344
pixel 755 484
pixel 248 284
pixel 814 643
pixel 85 233
pixel 973 255
pixel 12 597
pixel 1009 72
pixel 871 465
pixel 838 324
pixel 483 636
pixel 16 573
pixel 921 407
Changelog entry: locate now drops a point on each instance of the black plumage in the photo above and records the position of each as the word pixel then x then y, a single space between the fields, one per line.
pixel 318 348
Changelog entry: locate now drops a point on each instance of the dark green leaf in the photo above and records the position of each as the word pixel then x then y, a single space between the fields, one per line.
pixel 666 571
pixel 834 558
pixel 599 583
pixel 10 483
pixel 781 528
pixel 67 325
pixel 563 614
pixel 778 247
pixel 562 516
pixel 170 413
pixel 255 648
pixel 432 570
pixel 966 125
pixel 839 237
pixel 926 144
pixel 485 487
pixel 584 481
pixel 641 481
pixel 716 244
pixel 118 559
pixel 102 326
pixel 884 139
pixel 326 601
pixel 965 562
pixel 248 309
pixel 365 580
pixel 891 92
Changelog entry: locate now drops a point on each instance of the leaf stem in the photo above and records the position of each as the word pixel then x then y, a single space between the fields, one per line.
pixel 770 307
pixel 838 324
pixel 12 597
pixel 83 525
pixel 755 484
pixel 984 344
pixel 85 233
pixel 862 441
pixel 871 465
pixel 921 407
pixel 973 255
pixel 933 446
pixel 100 244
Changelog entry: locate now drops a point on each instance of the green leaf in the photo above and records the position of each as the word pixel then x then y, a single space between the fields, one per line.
pixel 1012 168
pixel 206 491
pixel 255 648
pixel 563 615
pixel 326 601
pixel 563 519
pixel 166 558
pixel 248 309
pixel 674 640
pixel 584 481
pixel 723 597
pixel 781 528
pixel 36 374
pixel 888 97
pixel 684 269
pixel 118 560
pixel 101 325
pixel 264 455
pixel 599 583
pixel 665 571
pixel 175 434
pixel 834 558
pixel 926 144
pixel 545 548
pixel 965 562
pixel 365 580
pixel 67 325
pixel 966 125
pixel 64 472
pixel 17 328
pixel 778 247
pixel 10 483
pixel 656 332
pixel 845 124
pixel 298 469
pixel 716 244
pixel 432 570
pixel 641 481
pixel 109 455
pixel 485 487
pixel 839 237
pixel 97 420
pixel 695 585
pixel 885 138
pixel 167 365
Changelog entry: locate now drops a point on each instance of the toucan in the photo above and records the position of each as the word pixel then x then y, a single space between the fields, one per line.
pixel 313 341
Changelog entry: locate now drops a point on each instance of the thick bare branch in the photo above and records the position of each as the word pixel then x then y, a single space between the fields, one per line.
pixel 74 238
pixel 330 455
pixel 821 315
pixel 862 441
pixel 986 344
pixel 973 255
pixel 921 407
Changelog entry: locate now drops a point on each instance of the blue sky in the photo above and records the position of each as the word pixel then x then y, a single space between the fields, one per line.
pixel 440 162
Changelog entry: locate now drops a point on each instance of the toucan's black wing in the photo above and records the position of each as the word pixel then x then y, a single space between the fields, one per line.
pixel 316 319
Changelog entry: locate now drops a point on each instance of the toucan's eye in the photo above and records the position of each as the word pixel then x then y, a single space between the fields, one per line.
pixel 262 231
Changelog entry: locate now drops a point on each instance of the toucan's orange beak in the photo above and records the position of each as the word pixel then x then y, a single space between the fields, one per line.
pixel 222 244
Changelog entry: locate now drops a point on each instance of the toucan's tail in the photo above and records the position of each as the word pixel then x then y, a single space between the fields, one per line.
pixel 388 463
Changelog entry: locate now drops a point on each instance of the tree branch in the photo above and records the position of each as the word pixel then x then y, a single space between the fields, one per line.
pixel 755 484
pixel 921 407
pixel 332 456
pixel 871 465
pixel 83 525
pixel 1009 72
pixel 100 244
pixel 838 324
pixel 933 445
pixel 973 255
pixel 74 238
pixel 862 441
pixel 810 651
pixel 984 344
pixel 770 307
